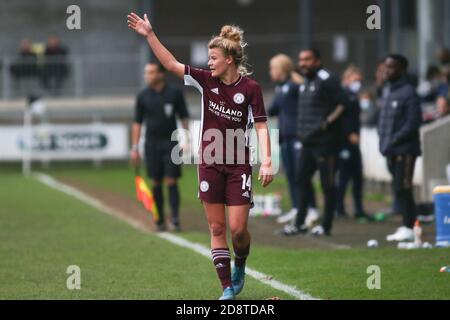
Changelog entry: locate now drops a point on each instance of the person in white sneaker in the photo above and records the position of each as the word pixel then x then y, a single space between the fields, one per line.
pixel 321 103
pixel 284 106
pixel 401 234
pixel 398 127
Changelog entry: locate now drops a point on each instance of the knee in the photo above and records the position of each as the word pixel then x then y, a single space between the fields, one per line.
pixel 217 229
pixel 171 181
pixel 156 183
pixel 239 234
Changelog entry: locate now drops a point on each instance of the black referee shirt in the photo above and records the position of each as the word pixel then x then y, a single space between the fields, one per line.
pixel 158 110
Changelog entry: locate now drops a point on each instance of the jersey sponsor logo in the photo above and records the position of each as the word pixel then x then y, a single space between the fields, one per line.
pixel 204 186
pixel 215 90
pixel 238 98
pixel 168 109
pixel 221 110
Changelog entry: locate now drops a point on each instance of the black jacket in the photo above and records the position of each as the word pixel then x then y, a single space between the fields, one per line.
pixel 351 122
pixel 319 96
pixel 284 105
pixel 400 119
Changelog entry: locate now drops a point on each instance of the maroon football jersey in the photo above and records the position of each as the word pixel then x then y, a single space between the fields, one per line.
pixel 229 111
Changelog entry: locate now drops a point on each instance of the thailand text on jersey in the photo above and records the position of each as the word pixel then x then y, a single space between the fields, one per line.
pixel 229 110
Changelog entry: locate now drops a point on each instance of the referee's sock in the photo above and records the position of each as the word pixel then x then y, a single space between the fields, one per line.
pixel 159 199
pixel 174 200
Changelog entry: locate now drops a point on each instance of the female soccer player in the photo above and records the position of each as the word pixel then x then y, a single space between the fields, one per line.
pixel 231 104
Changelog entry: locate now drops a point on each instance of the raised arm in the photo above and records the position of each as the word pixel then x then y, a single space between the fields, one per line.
pixel 145 29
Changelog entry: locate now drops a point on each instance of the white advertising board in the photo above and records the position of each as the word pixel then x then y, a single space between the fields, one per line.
pixel 66 142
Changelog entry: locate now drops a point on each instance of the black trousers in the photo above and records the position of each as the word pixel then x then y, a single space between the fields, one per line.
pixel 402 170
pixel 350 169
pixel 311 160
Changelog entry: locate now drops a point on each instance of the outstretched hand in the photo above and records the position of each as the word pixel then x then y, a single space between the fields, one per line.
pixel 141 26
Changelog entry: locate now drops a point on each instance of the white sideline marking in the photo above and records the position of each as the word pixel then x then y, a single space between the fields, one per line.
pixel 204 251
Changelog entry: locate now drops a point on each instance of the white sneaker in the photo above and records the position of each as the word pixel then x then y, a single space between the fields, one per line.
pixel 402 234
pixel 288 216
pixel 318 230
pixel 311 217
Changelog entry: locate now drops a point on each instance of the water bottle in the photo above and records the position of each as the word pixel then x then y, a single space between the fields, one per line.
pixel 417 234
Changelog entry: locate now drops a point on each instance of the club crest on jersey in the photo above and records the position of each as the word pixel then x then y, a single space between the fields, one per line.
pixel 238 98
pixel 204 186
pixel 168 109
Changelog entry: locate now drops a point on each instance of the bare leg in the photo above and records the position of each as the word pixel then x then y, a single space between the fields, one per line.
pixel 215 213
pixel 238 221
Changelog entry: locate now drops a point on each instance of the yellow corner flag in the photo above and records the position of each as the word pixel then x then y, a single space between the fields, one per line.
pixel 145 196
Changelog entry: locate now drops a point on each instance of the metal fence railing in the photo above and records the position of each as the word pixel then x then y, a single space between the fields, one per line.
pixel 121 73
pixel 76 75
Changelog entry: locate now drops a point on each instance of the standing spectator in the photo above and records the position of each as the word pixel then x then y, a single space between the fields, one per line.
pixel 55 69
pixel 443 56
pixel 372 115
pixel 399 123
pixel 284 105
pixel 428 89
pixel 433 93
pixel 350 161
pixel 442 101
pixel 25 67
pixel 157 106
pixel 321 104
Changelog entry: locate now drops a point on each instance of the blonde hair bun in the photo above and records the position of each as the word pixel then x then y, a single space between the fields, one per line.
pixel 233 33
pixel 231 41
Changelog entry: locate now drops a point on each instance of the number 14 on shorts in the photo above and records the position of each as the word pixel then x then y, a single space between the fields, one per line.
pixel 246 182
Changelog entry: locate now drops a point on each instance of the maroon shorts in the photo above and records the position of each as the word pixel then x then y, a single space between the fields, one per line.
pixel 228 184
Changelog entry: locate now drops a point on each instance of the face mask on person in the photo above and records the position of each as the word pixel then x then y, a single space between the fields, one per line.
pixel 355 86
pixel 365 104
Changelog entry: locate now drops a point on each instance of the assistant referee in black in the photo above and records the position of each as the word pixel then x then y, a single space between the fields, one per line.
pixel 158 106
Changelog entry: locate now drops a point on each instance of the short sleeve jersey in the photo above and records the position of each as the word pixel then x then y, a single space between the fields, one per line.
pixel 226 109
pixel 158 110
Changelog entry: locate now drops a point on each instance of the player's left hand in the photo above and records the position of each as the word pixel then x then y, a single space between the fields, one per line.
pixel 141 26
pixel 265 174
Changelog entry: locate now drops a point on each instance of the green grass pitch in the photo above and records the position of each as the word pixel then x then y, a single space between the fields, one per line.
pixel 43 231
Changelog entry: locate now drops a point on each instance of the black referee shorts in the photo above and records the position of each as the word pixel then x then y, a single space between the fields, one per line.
pixel 158 159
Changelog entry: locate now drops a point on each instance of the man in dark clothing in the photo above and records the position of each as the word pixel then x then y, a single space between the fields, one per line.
pixel 55 69
pixel 26 64
pixel 321 103
pixel 398 127
pixel 350 165
pixel 284 105
pixel 157 106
